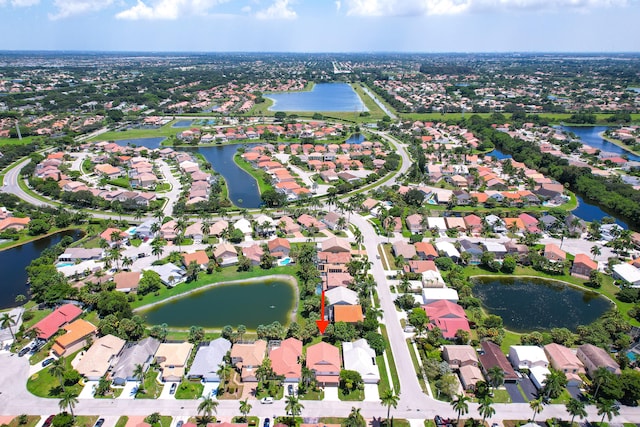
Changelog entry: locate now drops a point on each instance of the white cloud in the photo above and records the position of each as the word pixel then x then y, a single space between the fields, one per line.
pixel 453 7
pixel 280 9
pixel 167 9
pixel 338 5
pixel 66 8
pixel 24 3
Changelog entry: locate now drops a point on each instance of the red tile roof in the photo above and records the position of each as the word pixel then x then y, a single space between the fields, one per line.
pixel 62 315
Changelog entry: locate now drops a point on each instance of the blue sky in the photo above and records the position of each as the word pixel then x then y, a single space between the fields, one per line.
pixel 321 25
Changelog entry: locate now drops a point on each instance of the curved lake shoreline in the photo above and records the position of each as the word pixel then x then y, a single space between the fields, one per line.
pixel 281 278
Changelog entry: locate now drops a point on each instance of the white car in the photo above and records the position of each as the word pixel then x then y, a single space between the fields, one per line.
pixel 266 400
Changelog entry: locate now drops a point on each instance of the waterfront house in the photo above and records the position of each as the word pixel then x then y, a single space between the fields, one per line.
pixel 208 359
pixel 63 315
pixel 285 359
pixel 324 360
pixel 247 357
pixel 76 336
pixel 134 354
pixel 583 266
pixel 593 357
pixel 173 358
pixel 96 361
pixel 491 355
pixel 527 356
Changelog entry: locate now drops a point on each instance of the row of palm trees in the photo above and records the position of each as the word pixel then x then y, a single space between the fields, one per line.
pixel 575 408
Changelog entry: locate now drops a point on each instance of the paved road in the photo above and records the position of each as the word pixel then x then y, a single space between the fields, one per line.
pixel 377 101
pixel 172 195
pixel 11 186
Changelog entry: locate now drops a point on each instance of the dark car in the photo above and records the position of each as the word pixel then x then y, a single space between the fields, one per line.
pixel 440 421
pixel 180 423
pixel 142 255
pixel 24 351
pixel 172 390
pixel 47 362
pixel 290 389
pixel 267 422
pixel 99 422
pixel 48 421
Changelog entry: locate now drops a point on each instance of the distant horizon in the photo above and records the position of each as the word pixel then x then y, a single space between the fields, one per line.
pixel 319 26
pixel 381 52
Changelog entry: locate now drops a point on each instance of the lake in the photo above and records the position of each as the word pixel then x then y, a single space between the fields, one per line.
pixel 14 261
pixel 356 138
pixel 249 304
pixel 182 124
pixel 536 304
pixel 589 135
pixel 336 97
pixel 243 188
pixel 150 143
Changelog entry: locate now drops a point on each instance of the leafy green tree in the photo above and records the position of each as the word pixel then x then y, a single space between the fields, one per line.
pixel 196 334
pixel 355 419
pixel 419 320
pixel 58 369
pixel 6 322
pixel 350 381
pixel 245 408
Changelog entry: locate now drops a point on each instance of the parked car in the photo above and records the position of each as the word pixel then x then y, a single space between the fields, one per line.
pixel 24 351
pixel 47 362
pixel 180 423
pixel 266 400
pixel 440 421
pixel 48 421
pixel 290 389
pixel 173 388
pixel 267 422
pixel 99 422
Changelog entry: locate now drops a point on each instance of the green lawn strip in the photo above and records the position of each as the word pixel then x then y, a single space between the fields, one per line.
pixel 522 393
pixel 382 100
pixel 32 420
pixel 552 117
pixel 165 421
pixel 501 396
pixel 122 182
pixel 164 131
pixel 85 420
pixel 354 396
pixel 24 187
pixel 563 398
pixel 251 420
pixel 619 144
pixel 261 177
pixel 43 384
pixel 510 338
pixel 382 369
pixel 312 395
pixel 122 421
pixel 113 393
pixel 416 366
pixel 427 423
pixel 15 141
pixel 152 388
pixel 331 420
pixel 608 289
pixel 189 389
pixel 375 112
pixel 392 362
pixel 386 247
pixel 227 274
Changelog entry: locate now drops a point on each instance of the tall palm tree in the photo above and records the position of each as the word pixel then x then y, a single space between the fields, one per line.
pixel 595 251
pixel 245 408
pixel 355 419
pixel 155 228
pixel 69 399
pixel 575 408
pixel 138 373
pixel 7 321
pixel 58 369
pixel 224 372
pixel 156 248
pixel 293 407
pixel 127 262
pixel 537 405
pixel 607 408
pixel 389 398
pixel 208 407
pixel 460 406
pixel 486 410
pixel 496 376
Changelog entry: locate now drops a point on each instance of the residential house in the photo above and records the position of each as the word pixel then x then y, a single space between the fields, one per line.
pixel 324 359
pixel 491 356
pixel 81 254
pixel 496 248
pixel 127 281
pixel 134 354
pixel 448 250
pixel 247 357
pixel 628 273
pixel 14 223
pixel 553 253
pixel 360 357
pixel 332 220
pixel 404 249
pixel 77 334
pixel 208 359
pixel 169 273
pixel 456 223
pixel 437 223
pixel 473 249
pixel 527 356
pixel 199 257
pixel 414 223
pixel 448 317
pixel 173 358
pixel 253 253
pixel 226 254
pixel 583 266
pixel 458 356
pixel 285 359
pixel 335 245
pixel 99 358
pixel 593 357
pixel 426 251
pixel 473 223
pixel 341 296
pixel 63 315
pixel 434 294
pixel 279 247
pixel 347 313
pixel 563 359
pixel 114 236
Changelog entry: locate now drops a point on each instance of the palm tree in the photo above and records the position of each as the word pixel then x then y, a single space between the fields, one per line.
pixel 6 321
pixel 20 299
pixel 58 369
pixel 496 376
pixel 138 373
pixel 575 408
pixel 69 399
pixel 537 406
pixel 245 408
pixel 293 407
pixel 607 408
pixel 155 228
pixel 485 409
pixel 355 419
pixel 208 406
pixel 595 251
pixel 460 406
pixel 127 262
pixel 224 372
pixel 156 248
pixel 389 398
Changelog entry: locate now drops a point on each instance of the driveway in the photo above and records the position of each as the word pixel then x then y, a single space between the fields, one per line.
pixel 574 391
pixel 129 390
pixel 165 394
pixel 331 393
pixel 529 389
pixel 371 393
pixel 88 390
pixel 514 393
pixel 211 389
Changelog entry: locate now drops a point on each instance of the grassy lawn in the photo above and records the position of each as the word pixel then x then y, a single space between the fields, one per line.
pixel 261 177
pixel 384 380
pixel 152 388
pixel 135 242
pixel 416 366
pixel 163 187
pixel 121 182
pixel 228 273
pixel 312 395
pixel 563 398
pixel 15 141
pixel 43 384
pixel 501 396
pixel 331 420
pixel 85 420
pixel 354 396
pixel 32 420
pixel 375 111
pixel 392 363
pixel 122 421
pixel 251 420
pixel 189 389
pixel 386 247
